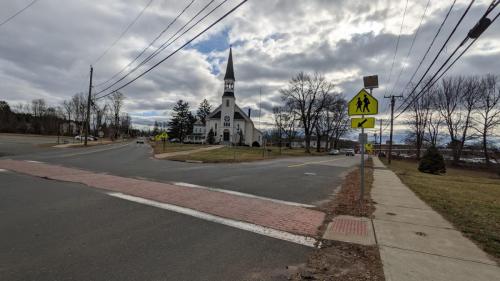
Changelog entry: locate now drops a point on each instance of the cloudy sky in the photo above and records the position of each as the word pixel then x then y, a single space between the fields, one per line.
pixel 46 51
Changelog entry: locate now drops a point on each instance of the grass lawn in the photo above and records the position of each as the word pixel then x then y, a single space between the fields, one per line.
pixel 174 147
pixel 242 154
pixel 468 199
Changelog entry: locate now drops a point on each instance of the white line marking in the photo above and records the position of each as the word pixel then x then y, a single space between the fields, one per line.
pixel 266 231
pixel 3 171
pixel 244 194
pixel 310 174
pixel 91 151
pixel 315 162
pixel 33 161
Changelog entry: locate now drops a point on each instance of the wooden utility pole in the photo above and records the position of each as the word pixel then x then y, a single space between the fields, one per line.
pixel 393 102
pixel 380 138
pixel 87 120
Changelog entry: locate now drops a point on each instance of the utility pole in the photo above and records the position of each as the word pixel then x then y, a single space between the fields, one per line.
pixel 380 138
pixel 87 121
pixel 393 102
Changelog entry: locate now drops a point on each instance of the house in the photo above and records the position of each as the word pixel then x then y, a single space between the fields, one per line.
pixel 198 135
pixel 229 123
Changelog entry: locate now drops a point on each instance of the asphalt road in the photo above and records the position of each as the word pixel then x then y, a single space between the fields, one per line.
pixel 64 231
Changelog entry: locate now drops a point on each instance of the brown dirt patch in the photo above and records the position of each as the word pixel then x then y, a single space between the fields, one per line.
pixel 345 261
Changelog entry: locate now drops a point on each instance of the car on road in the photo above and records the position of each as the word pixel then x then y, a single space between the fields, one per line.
pixel 349 152
pixel 89 138
pixel 334 152
pixel 140 140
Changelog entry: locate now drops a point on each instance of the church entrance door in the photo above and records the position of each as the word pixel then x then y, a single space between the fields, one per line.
pixel 226 136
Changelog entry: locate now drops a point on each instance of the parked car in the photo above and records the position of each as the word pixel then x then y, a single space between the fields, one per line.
pixel 334 152
pixel 349 152
pixel 89 138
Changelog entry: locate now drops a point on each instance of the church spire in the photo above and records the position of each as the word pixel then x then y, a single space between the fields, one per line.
pixel 229 77
pixel 229 69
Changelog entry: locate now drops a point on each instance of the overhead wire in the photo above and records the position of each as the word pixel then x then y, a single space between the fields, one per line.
pixel 123 32
pixel 433 81
pixel 440 50
pixel 166 44
pixel 403 67
pixel 149 46
pixel 177 50
pixel 431 44
pixel 397 43
pixel 8 19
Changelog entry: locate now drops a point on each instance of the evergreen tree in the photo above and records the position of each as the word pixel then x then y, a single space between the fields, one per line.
pixel 211 137
pixel 156 130
pixel 203 111
pixel 432 162
pixel 182 121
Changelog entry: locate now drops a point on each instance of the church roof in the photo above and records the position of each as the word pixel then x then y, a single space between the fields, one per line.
pixel 229 68
pixel 238 116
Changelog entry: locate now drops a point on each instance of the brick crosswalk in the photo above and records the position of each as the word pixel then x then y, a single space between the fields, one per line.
pixel 283 217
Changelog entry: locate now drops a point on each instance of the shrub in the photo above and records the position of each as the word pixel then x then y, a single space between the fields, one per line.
pixel 211 137
pixel 432 162
pixel 255 144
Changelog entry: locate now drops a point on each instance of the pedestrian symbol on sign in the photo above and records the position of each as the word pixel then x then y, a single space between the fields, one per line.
pixel 363 104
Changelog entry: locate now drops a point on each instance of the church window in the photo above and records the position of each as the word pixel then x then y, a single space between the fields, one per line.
pixel 227 103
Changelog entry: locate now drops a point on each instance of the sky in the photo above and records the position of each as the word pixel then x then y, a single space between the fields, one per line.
pixel 46 51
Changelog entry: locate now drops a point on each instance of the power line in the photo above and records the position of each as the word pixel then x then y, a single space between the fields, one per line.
pixel 18 12
pixel 150 44
pixel 124 31
pixel 397 43
pixel 440 50
pixel 165 45
pixel 433 81
pixel 177 50
pixel 431 44
pixel 411 47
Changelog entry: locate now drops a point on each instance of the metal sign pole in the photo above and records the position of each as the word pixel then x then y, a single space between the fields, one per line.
pixel 362 169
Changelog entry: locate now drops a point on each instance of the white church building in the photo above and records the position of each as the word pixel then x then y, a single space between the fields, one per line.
pixel 230 124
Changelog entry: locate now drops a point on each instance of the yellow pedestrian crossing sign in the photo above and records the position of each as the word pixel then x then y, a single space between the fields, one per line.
pixel 369 147
pixel 363 104
pixel 367 122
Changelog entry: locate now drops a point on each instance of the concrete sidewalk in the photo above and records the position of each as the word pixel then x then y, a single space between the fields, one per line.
pixel 416 243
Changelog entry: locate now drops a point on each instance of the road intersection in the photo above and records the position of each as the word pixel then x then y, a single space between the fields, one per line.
pixel 230 221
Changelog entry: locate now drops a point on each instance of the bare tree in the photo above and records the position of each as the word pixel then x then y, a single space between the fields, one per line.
pixel 285 120
pixel 115 105
pixel 488 111
pixel 469 98
pixel 447 103
pixel 420 111
pixel 307 96
pixel 68 110
pixel 433 125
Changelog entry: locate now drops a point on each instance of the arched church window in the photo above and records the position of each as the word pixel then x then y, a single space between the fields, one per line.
pixel 227 103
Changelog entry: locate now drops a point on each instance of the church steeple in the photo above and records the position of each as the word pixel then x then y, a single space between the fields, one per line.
pixel 229 77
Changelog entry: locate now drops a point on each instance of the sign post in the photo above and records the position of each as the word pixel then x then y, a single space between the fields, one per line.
pixel 364 104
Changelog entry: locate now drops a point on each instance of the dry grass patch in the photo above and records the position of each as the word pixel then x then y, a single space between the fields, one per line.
pixel 158 147
pixel 242 154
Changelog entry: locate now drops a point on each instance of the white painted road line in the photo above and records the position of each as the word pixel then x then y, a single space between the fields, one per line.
pixel 315 162
pixel 243 194
pixel 3 171
pixel 91 151
pixel 278 234
pixel 33 161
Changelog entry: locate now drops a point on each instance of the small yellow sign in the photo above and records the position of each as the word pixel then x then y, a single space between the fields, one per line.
pixel 363 104
pixel 367 122
pixel 369 147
